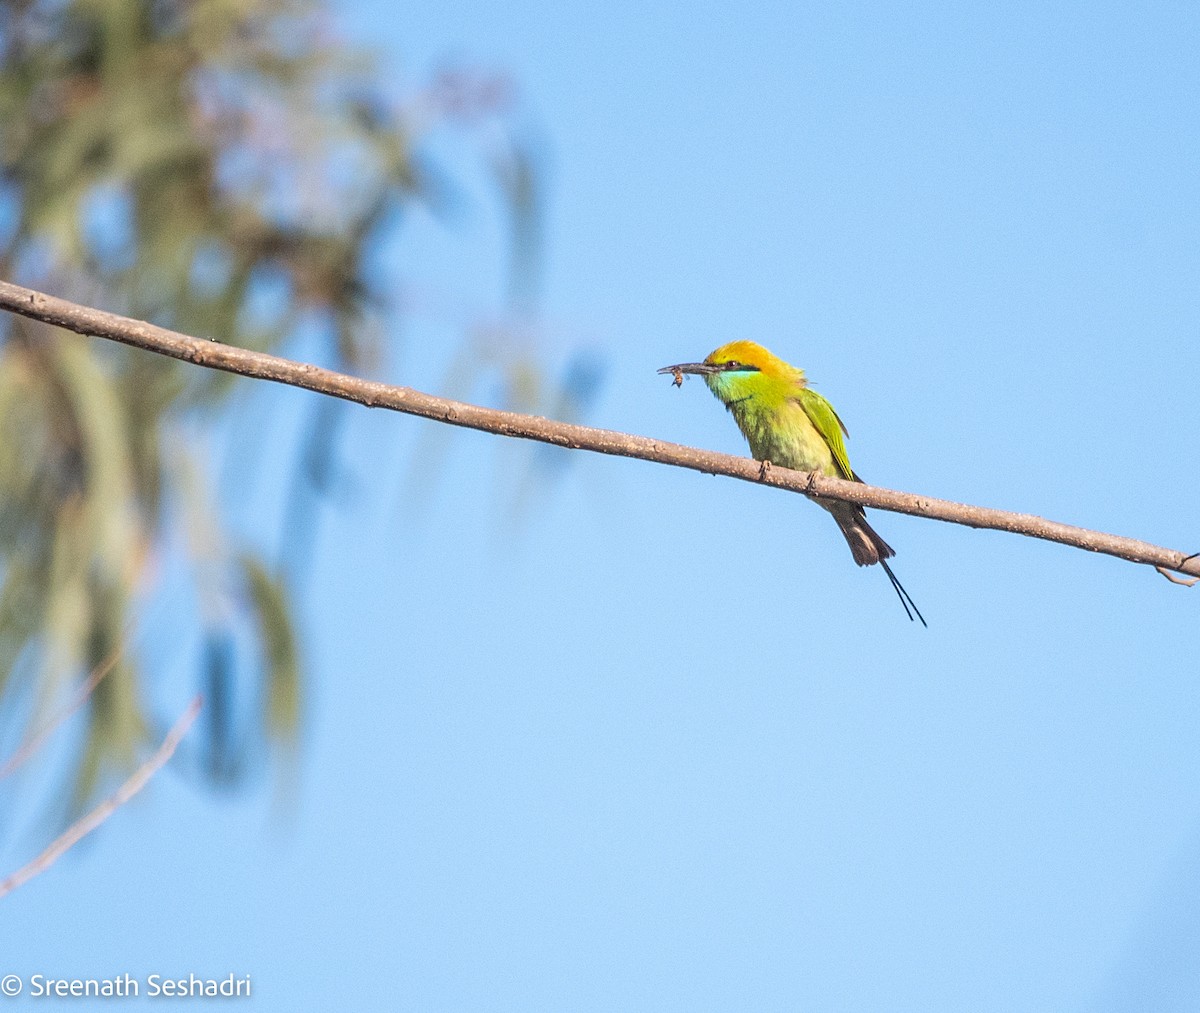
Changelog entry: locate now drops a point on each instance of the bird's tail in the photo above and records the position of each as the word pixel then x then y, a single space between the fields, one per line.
pixel 868 548
pixel 866 544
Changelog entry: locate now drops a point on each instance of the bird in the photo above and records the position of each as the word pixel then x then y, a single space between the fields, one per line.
pixel 788 423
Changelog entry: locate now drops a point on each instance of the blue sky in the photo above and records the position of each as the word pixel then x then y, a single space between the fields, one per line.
pixel 661 744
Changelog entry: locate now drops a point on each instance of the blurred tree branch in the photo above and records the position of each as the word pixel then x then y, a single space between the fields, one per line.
pixel 86 824
pixel 221 168
pixel 37 737
pixel 259 365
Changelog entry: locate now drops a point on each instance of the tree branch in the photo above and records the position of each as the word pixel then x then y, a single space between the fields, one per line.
pixel 259 365
pixel 33 741
pixel 1184 581
pixel 85 825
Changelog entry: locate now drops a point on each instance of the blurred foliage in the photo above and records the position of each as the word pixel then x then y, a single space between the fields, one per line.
pixel 222 167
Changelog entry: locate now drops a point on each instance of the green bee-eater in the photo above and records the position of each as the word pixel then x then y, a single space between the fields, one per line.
pixel 788 423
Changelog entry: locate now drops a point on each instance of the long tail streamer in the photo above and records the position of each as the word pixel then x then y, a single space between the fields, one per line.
pixel 905 598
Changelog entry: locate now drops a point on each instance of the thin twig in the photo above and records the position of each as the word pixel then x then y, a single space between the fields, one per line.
pixel 259 365
pixel 1185 581
pixel 86 824
pixel 33 741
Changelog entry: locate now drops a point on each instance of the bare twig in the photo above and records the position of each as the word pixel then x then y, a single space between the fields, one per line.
pixel 33 741
pixel 259 365
pixel 1185 581
pixel 86 824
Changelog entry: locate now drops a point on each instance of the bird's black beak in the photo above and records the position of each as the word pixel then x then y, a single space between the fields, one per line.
pixel 699 368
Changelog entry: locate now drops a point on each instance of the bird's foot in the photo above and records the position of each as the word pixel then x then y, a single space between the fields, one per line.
pixel 764 470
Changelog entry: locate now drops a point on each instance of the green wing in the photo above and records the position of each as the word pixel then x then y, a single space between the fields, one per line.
pixel 821 414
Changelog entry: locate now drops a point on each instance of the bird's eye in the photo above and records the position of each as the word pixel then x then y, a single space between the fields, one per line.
pixel 733 364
